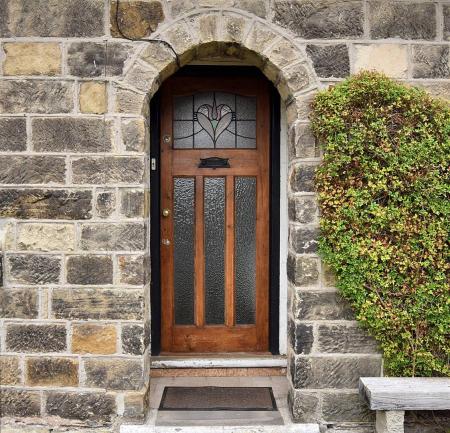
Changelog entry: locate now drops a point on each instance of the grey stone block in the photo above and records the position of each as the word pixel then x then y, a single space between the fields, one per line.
pixel 302 178
pixel 113 237
pixel 85 270
pixel 51 371
pixel 345 339
pixel 304 240
pixel 95 407
pixel 98 304
pixel 133 339
pixel 302 143
pixel 45 204
pixel 133 270
pixel 35 338
pixel 19 403
pixel 303 209
pixel 13 134
pixel 304 406
pixel 431 61
pixel 105 203
pixel 132 203
pixel 71 135
pixel 32 169
pixel 33 269
pixel 402 20
pixel 446 13
pixel 309 305
pixel 345 407
pixel 321 19
pixel 330 60
pixel 94 59
pixel 64 18
pixel 36 96
pixel 301 337
pixel 303 271
pixel 18 303
pixel 429 421
pixel 134 135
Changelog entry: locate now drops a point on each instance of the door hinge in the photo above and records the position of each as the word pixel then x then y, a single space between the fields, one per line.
pixel 153 164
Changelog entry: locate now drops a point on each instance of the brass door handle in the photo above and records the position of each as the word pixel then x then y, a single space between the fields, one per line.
pixel 166 212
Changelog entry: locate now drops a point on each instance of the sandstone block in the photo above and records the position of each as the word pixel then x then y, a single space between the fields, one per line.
pixel 35 338
pixel 234 28
pixel 281 54
pixel 380 58
pixel 178 7
pixel 98 304
pixel 19 403
pixel 432 61
pixel 72 135
pixel 32 169
pixel 9 370
pixel 129 101
pixel 132 203
pixel 96 407
pixel 294 80
pixel 35 96
pixel 304 240
pixel 302 178
pixel 304 406
pixel 87 270
pixel 13 134
pixel 52 372
pixel 302 143
pixel 51 19
pixel 303 271
pixel 301 337
pixel 446 14
pixel 105 202
pixel 255 7
pixel 133 339
pixel 134 135
pixel 32 58
pixel 93 97
pixel 95 339
pixel 323 19
pixel 18 303
pixel 303 209
pixel 45 204
pixel 330 60
pixel 132 270
pixel 345 407
pixel 113 237
pixel 46 237
pixel 135 19
pixel 142 78
pixel 438 89
pixel 345 339
pixel 118 374
pixel 402 20
pixel 135 405
pixel 33 269
pixel 107 170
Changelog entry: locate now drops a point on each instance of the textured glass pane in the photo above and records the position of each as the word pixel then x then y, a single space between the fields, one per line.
pixel 245 249
pixel 214 213
pixel 183 108
pixel 245 108
pixel 183 131
pixel 246 134
pixel 183 249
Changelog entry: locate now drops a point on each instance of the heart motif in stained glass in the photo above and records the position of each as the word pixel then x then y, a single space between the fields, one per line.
pixel 214 119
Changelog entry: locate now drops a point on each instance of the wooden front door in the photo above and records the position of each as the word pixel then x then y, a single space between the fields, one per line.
pixel 215 136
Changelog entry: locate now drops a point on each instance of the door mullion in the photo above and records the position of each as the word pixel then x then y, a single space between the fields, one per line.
pixel 199 254
pixel 229 253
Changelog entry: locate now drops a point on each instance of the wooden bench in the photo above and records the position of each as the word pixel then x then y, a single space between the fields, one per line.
pixel 391 396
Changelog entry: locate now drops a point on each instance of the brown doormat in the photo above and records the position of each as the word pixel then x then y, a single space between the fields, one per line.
pixel 217 398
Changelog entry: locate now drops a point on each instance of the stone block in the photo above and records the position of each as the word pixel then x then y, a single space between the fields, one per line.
pixel 345 339
pixel 301 337
pixel 260 36
pixel 345 407
pixel 293 80
pixel 105 202
pixel 32 169
pixel 108 170
pixel 390 421
pixel 45 204
pixel 135 19
pixel 13 134
pixel 302 178
pixel 45 237
pixel 94 407
pixel 132 270
pixel 308 305
pixel 72 135
pixel 90 269
pixel 142 78
pixel 51 371
pixel 282 54
pixel 333 372
pixel 117 374
pixel 304 406
pixel 431 61
pixel 255 7
pixel 95 59
pixel 129 101
pixel 35 338
pixel 113 237
pixel 303 271
pixel 380 58
pixel 322 19
pixel 402 20
pixel 179 7
pixel 438 89
pixel 133 337
pixel 132 203
pixel 18 403
pixel 36 96
pixel 32 58
pixel 427 421
pixel 302 143
pixel 135 405
pixel 18 303
pixel 98 304
pixel 446 16
pixel 9 370
pixel 304 240
pixel 303 210
pixel 328 276
pixel 93 97
pixel 134 135
pixel 95 339
pixel 33 269
pixel 330 60
pixel 233 28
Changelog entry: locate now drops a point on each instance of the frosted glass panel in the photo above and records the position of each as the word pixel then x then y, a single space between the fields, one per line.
pixel 245 249
pixel 214 214
pixel 183 249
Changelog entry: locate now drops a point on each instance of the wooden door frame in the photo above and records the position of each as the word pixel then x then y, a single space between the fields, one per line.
pixel 274 184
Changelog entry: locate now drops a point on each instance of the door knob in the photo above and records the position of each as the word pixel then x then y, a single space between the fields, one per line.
pixel 165 242
pixel 166 212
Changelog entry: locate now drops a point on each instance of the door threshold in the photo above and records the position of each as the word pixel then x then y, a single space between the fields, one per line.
pixel 218 361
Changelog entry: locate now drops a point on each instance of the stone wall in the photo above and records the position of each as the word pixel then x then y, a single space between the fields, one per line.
pixel 74 186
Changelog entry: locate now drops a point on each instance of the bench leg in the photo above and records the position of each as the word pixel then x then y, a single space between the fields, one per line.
pixel 390 421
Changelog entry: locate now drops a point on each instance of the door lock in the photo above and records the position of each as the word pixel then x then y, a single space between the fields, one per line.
pixel 165 242
pixel 167 138
pixel 166 212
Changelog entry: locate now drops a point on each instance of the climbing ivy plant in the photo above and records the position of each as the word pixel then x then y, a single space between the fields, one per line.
pixel 384 195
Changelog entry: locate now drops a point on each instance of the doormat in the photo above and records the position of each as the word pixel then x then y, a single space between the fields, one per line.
pixel 201 398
